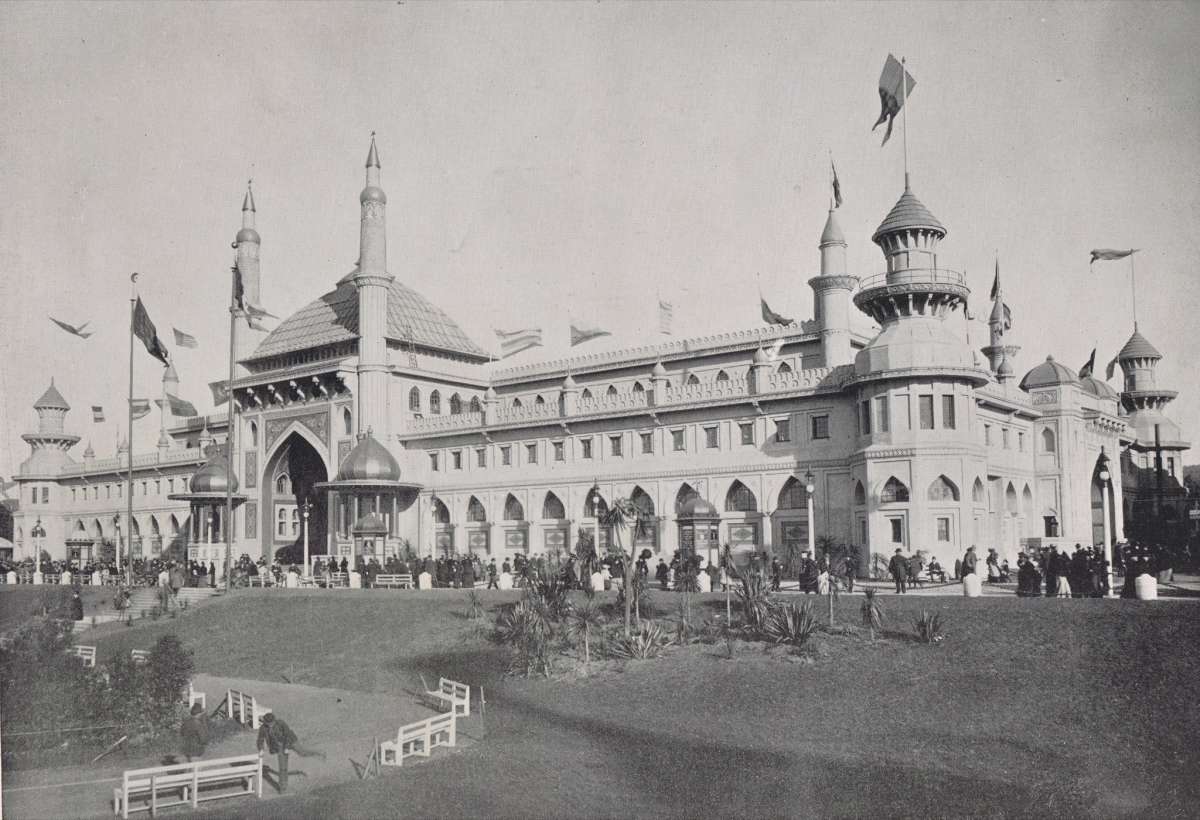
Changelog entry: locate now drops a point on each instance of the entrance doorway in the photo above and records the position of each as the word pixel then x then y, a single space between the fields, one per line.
pixel 287 483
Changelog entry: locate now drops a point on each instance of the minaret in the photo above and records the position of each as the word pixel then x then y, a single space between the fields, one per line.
pixel 247 245
pixel 1000 355
pixel 831 296
pixel 50 443
pixel 170 384
pixel 372 280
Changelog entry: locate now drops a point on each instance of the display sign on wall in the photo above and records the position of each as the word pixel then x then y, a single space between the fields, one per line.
pixel 444 540
pixel 477 540
pixel 555 539
pixel 515 539
pixel 743 534
pixel 794 533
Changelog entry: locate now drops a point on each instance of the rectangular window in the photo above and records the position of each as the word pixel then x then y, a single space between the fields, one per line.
pixel 647 442
pixel 949 421
pixel 987 434
pixel 33 495
pixel 1170 470
pixel 144 485
pixel 158 486
pixel 925 403
pixel 433 462
pixel 506 456
pixel 747 428
pixel 46 492
pixel 677 440
pixel 585 447
pixel 710 437
pixel 820 426
pixel 531 453
pixel 559 453
pixel 897 530
pixel 864 418
pixel 1004 437
pixel 783 430
pixel 1021 442
pixel 614 443
pixel 1051 526
pixel 481 457
pixel 72 493
pixel 943 529
pixel 883 420
pixel 456 456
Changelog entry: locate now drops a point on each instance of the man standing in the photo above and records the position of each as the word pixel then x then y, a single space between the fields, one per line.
pixel 492 582
pixel 969 562
pixel 898 567
pixel 194 731
pixel 278 738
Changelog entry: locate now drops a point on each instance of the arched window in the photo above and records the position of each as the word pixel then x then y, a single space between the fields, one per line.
pixel 516 403
pixel 942 489
pixel 414 400
pixel 643 502
pixel 476 514
pixel 1027 502
pixel 513 511
pixel 539 402
pixel 1010 499
pixel 693 379
pixel 553 508
pixel 740 499
pixel 475 406
pixel 1048 443
pixel 283 485
pixel 441 515
pixel 686 493
pixel 591 508
pixel 612 391
pixel 253 435
pixel 722 376
pixel 977 492
pixel 784 367
pixel 860 494
pixel 347 422
pixel 435 403
pixel 637 388
pixel 894 491
pixel 455 405
pixel 586 395
pixel 792 495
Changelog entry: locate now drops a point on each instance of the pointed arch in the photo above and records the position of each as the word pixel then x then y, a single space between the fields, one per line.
pixel 476 513
pixel 552 507
pixel 612 390
pixel 860 494
pixel 1010 499
pixel 586 395
pixel 693 379
pixel 516 403
pixel 1027 502
pixel 475 406
pixel 740 498
pixel 414 400
pixel 513 509
pixel 894 491
pixel 441 515
pixel 173 523
pixel 637 388
pixel 455 405
pixel 591 508
pixel 1049 444
pixel 783 368
pixel 642 500
pixel 942 489
pixel 347 422
pixel 792 495
pixel 978 493
pixel 435 403
pixel 539 401
pixel 98 528
pixel 253 430
pixel 686 493
pixel 722 376
pixel 154 528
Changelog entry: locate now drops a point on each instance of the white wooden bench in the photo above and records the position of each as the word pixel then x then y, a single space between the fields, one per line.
pixel 263 579
pixel 244 708
pixel 419 739
pixel 338 580
pixel 194 697
pixel 452 694
pixel 402 581
pixel 187 784
pixel 140 655
pixel 87 653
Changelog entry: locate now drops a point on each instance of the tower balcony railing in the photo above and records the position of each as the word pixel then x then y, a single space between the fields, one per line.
pixel 914 276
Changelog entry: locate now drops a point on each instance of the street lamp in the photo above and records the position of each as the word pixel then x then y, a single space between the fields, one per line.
pixel 596 512
pixel 809 487
pixel 306 511
pixel 129 566
pixel 1105 477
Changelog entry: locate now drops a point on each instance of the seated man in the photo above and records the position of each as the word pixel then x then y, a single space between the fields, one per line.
pixel 936 573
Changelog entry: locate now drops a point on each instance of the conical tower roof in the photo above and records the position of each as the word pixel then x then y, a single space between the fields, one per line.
pixel 51 400
pixel 832 235
pixel 908 213
pixel 1138 348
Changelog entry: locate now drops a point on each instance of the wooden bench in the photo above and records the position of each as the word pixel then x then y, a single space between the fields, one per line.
pixel 244 708
pixel 187 784
pixel 87 653
pixel 451 694
pixel 402 581
pixel 419 739
pixel 263 579
pixel 194 697
pixel 140 655
pixel 338 580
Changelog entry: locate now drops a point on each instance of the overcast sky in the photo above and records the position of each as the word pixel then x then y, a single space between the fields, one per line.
pixel 545 159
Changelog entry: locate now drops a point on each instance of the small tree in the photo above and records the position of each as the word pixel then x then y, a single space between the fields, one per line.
pixel 628 522
pixel 581 622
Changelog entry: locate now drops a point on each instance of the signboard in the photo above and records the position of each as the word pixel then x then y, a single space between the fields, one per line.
pixel 477 540
pixel 444 540
pixel 555 539
pixel 794 534
pixel 515 539
pixel 743 534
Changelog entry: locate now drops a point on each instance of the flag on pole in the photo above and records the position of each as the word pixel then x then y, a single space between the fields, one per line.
pixel 771 317
pixel 1088 366
pixel 144 329
pixel 184 339
pixel 1007 318
pixel 1108 254
pixel 773 350
pixel 585 333
pixel 666 315
pixel 74 331
pixel 892 93
pixel 968 314
pixel 513 342
pixel 251 311
pixel 837 186
pixel 97 414
pixel 178 406
pixel 220 391
pixel 139 408
pixel 1112 367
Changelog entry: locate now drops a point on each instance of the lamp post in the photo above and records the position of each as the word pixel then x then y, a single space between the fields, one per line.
pixel 596 513
pixel 1105 477
pixel 129 566
pixel 809 487
pixel 306 511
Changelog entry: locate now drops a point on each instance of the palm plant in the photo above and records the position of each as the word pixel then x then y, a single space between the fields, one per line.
pixel 871 611
pixel 790 623
pixel 582 620
pixel 476 604
pixel 754 593
pixel 929 627
pixel 526 627
pixel 628 522
pixel 648 642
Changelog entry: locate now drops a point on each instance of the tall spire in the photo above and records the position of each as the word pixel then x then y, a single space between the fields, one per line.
pixel 373 154
pixel 371 280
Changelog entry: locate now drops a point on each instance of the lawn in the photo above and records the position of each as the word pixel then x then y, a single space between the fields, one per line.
pixel 1028 708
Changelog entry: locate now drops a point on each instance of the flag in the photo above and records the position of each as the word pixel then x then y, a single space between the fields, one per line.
pixel 666 314
pixel 1112 367
pixel 184 339
pixel 179 407
pixel 513 342
pixel 773 350
pixel 97 414
pixel 1088 366
pixel 74 331
pixel 585 333
pixel 837 186
pixel 967 313
pixel 895 83
pixel 1007 318
pixel 1108 254
pixel 771 317
pixel 251 311
pixel 220 392
pixel 144 329
pixel 996 283
pixel 139 408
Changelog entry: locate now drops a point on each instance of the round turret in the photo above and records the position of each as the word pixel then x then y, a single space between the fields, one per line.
pixel 51 400
pixel 369 461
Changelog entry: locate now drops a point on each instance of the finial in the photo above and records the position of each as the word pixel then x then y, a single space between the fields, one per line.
pixel 248 202
pixel 373 155
pixel 907 187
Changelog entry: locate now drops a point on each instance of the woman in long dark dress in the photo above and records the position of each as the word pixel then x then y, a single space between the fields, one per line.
pixel 1029 581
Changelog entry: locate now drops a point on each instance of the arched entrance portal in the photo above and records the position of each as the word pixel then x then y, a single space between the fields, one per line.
pixel 287 483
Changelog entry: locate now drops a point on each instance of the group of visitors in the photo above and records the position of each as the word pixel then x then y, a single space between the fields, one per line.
pixel 906 570
pixel 1078 573
pixel 274 737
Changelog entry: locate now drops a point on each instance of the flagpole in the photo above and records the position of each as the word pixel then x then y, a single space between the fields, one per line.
pixel 129 444
pixel 904 108
pixel 229 431
pixel 1133 286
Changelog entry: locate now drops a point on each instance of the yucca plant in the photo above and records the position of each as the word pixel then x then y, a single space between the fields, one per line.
pixel 790 623
pixel 648 642
pixel 526 628
pixel 872 611
pixel 929 627
pixel 581 623
pixel 476 605
pixel 754 593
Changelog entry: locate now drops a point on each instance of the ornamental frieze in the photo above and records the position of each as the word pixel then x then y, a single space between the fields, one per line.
pixel 316 423
pixel 1045 397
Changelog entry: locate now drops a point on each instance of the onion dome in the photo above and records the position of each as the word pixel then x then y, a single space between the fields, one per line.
pixel 760 357
pixel 490 394
pixel 51 400
pixel 659 372
pixel 213 477
pixel 569 383
pixel 697 507
pixel 832 235
pixel 1138 348
pixel 1048 374
pixel 248 235
pixel 908 214
pixel 369 461
pixel 1099 389
pixel 1005 370
pixel 89 452
pixel 122 445
pixel 370 524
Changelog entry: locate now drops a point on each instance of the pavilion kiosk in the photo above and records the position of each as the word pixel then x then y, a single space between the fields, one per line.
pixel 699 529
pixel 365 502
pixel 207 497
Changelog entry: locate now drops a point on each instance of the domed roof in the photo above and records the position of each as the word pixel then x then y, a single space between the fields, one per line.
pixel 833 231
pixel 213 477
pixel 490 393
pixel 51 400
pixel 372 194
pixel 89 452
pixel 760 356
pixel 568 382
pixel 248 235
pixel 169 375
pixel 369 461
pixel 1048 373
pixel 370 524
pixel 697 507
pixel 334 318
pixel 1005 368
pixel 1098 388
pixel 1138 348
pixel 908 213
pixel 659 371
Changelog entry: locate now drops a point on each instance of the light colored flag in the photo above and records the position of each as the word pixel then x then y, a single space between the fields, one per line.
pixel 584 333
pixel 184 339
pixel 140 408
pixel 773 350
pixel 97 413
pixel 1112 368
pixel 181 407
pixel 74 331
pixel 1108 254
pixel 771 317
pixel 513 342
pixel 666 315
pixel 892 93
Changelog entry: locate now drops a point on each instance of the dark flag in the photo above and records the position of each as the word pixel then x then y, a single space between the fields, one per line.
pixel 837 186
pixel 97 413
pixel 895 83
pixel 771 317
pixel 1089 366
pixel 220 392
pixel 179 407
pixel 1112 367
pixel 251 311
pixel 184 339
pixel 996 283
pixel 74 331
pixel 1007 318
pixel 144 329
pixel 1108 254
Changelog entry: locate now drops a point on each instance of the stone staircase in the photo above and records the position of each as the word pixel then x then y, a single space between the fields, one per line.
pixel 146 599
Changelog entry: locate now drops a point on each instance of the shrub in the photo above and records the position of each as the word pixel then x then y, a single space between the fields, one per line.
pixel 790 623
pixel 872 611
pixel 525 627
pixel 647 642
pixel 754 594
pixel 929 627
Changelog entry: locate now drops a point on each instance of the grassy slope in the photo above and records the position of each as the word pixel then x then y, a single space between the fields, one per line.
pixel 1030 707
pixel 19 603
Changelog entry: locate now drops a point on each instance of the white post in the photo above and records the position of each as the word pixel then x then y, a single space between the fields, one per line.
pixel 596 513
pixel 1107 535
pixel 307 510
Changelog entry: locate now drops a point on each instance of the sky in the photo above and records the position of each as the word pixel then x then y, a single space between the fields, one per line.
pixel 550 161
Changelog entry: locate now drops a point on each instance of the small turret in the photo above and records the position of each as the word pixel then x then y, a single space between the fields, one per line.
pixel 50 443
pixel 998 351
pixel 372 281
pixel 831 295
pixel 248 246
